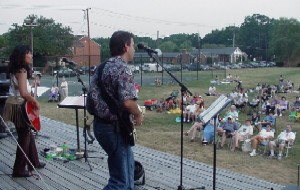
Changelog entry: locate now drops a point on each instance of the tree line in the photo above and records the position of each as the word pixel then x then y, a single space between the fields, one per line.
pixel 259 36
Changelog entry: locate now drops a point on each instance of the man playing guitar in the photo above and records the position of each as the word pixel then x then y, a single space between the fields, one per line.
pixel 117 80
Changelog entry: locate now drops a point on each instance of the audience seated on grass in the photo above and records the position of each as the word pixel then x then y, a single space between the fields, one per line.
pixel 264 136
pixel 258 88
pixel 283 138
pixel 296 105
pixel 197 126
pixel 189 112
pixel 272 106
pixel 186 100
pixel 212 91
pixel 233 94
pixel 264 101
pixel 199 100
pixel 282 106
pixel 161 105
pixel 229 78
pixel 268 120
pixel 243 133
pixel 227 129
pixel 208 133
pixel 255 120
pixel 53 96
pixel 233 113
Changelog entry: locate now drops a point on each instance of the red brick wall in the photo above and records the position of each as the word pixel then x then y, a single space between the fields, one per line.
pixel 81 53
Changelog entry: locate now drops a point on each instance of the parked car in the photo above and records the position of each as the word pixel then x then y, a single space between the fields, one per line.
pixel 37 73
pixel 92 69
pixel 66 73
pixel 134 68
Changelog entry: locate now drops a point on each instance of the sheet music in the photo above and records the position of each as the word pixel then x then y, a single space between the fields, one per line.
pixel 216 107
pixel 73 102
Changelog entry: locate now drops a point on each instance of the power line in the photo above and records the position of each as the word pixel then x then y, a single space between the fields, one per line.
pixel 146 19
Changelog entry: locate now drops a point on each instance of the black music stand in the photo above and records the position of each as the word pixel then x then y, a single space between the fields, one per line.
pixel 76 102
pixel 212 112
pixel 73 102
pixel 183 89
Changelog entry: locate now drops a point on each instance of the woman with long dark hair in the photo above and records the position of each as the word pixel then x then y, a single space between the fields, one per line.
pixel 20 72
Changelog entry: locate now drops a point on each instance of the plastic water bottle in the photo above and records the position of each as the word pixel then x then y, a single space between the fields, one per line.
pixel 65 149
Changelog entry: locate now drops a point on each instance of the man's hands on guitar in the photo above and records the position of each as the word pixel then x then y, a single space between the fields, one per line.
pixel 138 119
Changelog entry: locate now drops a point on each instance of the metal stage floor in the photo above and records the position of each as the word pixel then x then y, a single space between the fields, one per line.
pixel 162 170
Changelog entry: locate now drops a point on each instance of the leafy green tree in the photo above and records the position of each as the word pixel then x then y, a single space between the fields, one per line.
pixel 49 38
pixel 254 35
pixel 146 41
pixel 223 37
pixel 213 46
pixel 104 42
pixel 285 40
pixel 186 45
pixel 168 46
pixel 4 41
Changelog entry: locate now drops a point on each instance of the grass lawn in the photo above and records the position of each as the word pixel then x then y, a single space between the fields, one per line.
pixel 161 132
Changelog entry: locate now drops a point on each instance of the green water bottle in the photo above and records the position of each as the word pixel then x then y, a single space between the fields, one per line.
pixel 64 150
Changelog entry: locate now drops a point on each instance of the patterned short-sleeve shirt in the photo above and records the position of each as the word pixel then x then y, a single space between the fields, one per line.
pixel 118 81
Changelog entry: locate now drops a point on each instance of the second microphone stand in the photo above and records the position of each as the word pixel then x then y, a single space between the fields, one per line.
pixel 84 89
pixel 183 89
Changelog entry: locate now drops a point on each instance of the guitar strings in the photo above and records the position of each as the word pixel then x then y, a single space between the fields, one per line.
pixel 39 175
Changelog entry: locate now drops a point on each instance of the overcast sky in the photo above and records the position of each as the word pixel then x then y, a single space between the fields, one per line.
pixel 145 17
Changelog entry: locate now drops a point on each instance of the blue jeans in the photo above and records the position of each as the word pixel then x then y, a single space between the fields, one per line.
pixel 120 157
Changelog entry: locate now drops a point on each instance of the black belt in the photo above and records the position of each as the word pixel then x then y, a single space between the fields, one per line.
pixel 103 120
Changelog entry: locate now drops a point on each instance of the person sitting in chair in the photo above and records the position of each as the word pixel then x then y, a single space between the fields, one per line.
pixel 282 106
pixel 263 136
pixel 227 129
pixel 243 133
pixel 268 120
pixel 189 112
pixel 255 101
pixel 196 126
pixel 53 94
pixel 211 91
pixel 272 106
pixel 281 140
pixel 255 120
pixel 233 113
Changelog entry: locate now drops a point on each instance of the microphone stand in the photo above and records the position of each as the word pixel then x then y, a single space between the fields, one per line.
pixel 183 89
pixel 84 89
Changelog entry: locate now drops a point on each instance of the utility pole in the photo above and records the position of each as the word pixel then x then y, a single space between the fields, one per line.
pixel 89 41
pixel 30 23
pixel 199 52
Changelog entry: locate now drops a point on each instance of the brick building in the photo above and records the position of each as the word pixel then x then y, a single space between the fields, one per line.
pixel 81 51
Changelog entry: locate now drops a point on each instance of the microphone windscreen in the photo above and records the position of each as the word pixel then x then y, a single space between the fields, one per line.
pixel 140 46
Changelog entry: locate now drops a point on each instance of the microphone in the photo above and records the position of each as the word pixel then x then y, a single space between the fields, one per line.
pixel 145 48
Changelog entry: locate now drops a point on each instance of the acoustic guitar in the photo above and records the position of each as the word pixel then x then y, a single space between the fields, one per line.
pixel 32 112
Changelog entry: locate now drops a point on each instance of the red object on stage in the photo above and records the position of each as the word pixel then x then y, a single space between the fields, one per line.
pixel 33 116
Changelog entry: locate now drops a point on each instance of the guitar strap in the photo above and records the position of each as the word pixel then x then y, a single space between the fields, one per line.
pixel 111 101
